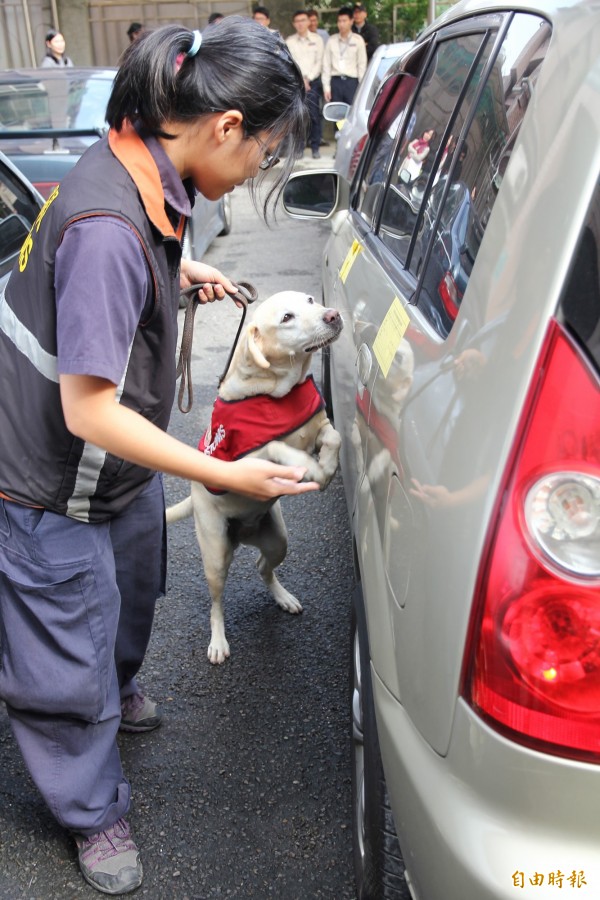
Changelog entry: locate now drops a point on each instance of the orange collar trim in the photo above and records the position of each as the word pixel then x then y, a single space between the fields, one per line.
pixel 132 153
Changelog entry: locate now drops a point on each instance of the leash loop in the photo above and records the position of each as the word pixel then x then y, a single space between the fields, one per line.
pixel 246 293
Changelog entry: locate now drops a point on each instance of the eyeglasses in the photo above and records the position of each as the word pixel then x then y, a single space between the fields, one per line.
pixel 268 162
pixel 270 159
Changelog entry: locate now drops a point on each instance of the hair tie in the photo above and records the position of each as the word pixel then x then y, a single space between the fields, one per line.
pixel 195 44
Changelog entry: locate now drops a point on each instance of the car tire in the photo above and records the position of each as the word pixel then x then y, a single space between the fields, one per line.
pixel 227 216
pixel 378 863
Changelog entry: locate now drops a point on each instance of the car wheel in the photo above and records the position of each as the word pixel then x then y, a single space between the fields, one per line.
pixel 378 863
pixel 227 218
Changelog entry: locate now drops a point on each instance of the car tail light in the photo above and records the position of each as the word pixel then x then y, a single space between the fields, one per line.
pixel 533 656
pixel 45 187
pixel 450 295
pixel 355 158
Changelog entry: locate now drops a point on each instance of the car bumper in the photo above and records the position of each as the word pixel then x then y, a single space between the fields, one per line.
pixel 492 820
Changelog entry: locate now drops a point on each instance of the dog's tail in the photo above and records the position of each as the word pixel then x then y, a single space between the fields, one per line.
pixel 179 510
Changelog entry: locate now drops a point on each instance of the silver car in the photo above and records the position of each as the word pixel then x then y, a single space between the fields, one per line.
pixel 464 258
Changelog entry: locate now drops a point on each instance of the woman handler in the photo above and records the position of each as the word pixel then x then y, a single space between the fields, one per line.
pixel 88 332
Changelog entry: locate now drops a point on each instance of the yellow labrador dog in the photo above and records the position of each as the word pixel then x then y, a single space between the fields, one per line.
pixel 267 406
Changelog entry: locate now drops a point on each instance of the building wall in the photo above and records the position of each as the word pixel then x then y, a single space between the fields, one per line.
pixel 95 31
pixel 23 27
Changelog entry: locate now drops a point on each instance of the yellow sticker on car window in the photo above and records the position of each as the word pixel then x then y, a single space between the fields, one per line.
pixel 353 252
pixel 391 332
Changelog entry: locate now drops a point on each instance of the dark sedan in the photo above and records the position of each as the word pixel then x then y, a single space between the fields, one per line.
pixel 49 117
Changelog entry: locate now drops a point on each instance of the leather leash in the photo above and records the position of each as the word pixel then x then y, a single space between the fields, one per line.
pixel 245 294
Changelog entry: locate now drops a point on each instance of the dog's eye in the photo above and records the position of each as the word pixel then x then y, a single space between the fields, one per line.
pixel 311 299
pixel 288 317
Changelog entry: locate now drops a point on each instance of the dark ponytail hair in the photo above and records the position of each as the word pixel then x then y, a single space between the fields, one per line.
pixel 240 65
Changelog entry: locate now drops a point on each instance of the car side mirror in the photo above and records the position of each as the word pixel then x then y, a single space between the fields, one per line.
pixel 335 111
pixel 312 195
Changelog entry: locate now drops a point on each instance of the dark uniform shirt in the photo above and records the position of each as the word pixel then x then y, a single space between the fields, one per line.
pixel 370 36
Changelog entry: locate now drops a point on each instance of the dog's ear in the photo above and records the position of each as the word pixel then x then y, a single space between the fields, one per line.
pixel 254 349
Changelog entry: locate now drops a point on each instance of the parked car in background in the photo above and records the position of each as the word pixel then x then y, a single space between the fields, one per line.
pixel 20 205
pixel 48 117
pixel 466 387
pixel 352 136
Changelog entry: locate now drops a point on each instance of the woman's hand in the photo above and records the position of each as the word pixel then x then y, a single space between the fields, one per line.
pixel 215 285
pixel 264 480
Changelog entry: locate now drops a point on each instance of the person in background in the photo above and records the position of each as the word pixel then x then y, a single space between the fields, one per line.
pixel 368 32
pixel 313 25
pixel 344 60
pixel 215 18
pixel 90 355
pixel 55 50
pixel 307 51
pixel 135 31
pixel 261 15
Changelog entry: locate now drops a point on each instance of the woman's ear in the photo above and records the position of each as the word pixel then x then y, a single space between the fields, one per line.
pixel 254 348
pixel 229 122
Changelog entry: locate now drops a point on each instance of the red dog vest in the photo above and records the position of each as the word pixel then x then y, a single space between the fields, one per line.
pixel 239 426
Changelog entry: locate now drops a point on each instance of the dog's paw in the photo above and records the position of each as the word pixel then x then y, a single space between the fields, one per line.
pixel 326 480
pixel 218 651
pixel 287 601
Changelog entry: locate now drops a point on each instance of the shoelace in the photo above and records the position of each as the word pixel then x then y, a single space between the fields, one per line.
pixel 132 704
pixel 109 843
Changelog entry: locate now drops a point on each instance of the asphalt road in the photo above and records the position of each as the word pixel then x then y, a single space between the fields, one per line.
pixel 245 790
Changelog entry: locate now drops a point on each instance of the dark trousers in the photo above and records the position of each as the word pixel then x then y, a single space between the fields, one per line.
pixel 76 610
pixel 313 102
pixel 343 88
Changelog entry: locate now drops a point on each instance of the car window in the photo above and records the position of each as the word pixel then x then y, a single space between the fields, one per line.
pixel 373 179
pixel 55 102
pixel 18 212
pixel 443 83
pixel 463 190
pixel 87 103
pixel 580 302
pixel 24 104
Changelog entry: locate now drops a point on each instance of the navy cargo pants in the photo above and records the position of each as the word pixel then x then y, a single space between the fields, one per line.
pixel 76 610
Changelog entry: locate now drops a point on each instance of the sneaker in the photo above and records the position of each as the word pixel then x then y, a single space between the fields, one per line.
pixel 110 860
pixel 138 713
pixel 316 154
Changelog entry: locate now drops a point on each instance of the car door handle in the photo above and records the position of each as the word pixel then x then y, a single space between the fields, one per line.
pixel 364 362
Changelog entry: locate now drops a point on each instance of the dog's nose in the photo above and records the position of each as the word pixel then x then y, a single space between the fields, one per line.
pixel 331 316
